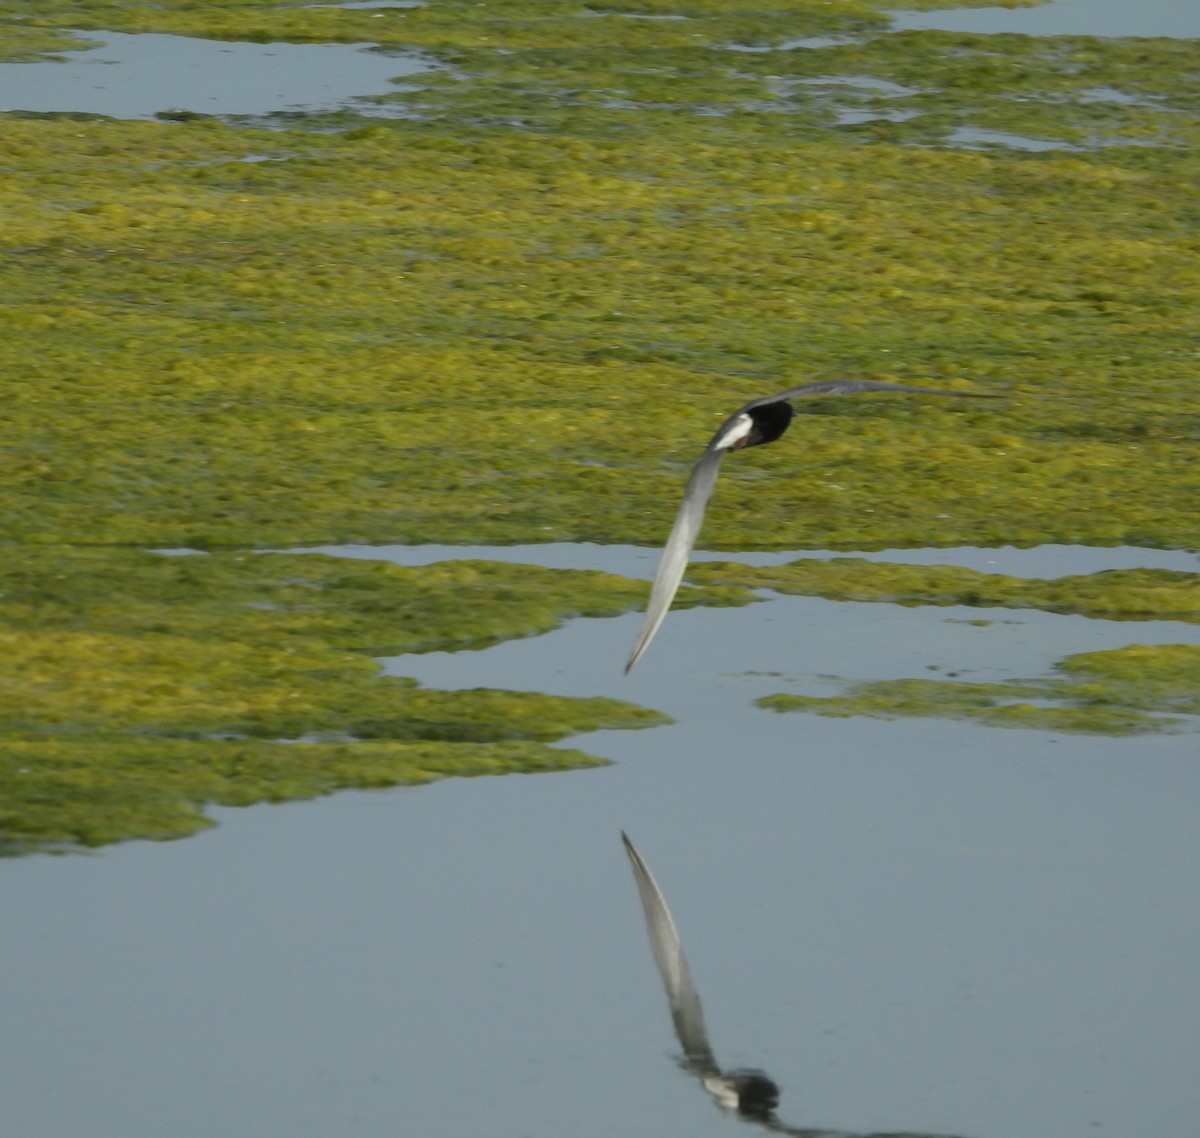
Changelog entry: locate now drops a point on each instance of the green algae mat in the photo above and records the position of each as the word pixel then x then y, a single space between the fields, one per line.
pixel 517 313
pixel 513 312
pixel 1134 690
pixel 136 687
pixel 1125 691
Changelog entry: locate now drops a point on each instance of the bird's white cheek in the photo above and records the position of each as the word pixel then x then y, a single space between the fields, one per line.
pixel 736 432
pixel 720 1089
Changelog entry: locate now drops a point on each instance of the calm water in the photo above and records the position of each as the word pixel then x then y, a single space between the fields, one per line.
pixel 1175 18
pixel 920 925
pixel 138 76
pixel 636 561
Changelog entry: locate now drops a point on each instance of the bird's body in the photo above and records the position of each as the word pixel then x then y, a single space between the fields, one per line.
pixel 757 422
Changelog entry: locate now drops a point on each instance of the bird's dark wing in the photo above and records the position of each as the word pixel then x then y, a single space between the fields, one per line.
pixel 776 1127
pixel 851 387
pixel 773 1124
pixel 678 548
pixel 673 967
pixel 704 477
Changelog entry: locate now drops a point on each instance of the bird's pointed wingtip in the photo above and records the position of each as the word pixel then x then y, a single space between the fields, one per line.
pixel 635 655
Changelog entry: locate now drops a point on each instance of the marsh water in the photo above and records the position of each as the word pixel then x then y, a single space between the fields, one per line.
pixel 1177 18
pixel 930 926
pixel 918 925
pixel 141 76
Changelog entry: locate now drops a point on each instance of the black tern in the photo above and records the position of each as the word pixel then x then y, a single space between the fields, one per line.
pixel 759 421
pixel 752 1094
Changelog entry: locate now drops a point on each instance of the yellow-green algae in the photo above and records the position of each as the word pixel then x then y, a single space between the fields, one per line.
pixel 1123 691
pixel 64 792
pixel 21 43
pixel 1116 594
pixel 135 688
pixel 1117 692
pixel 515 315
pixel 518 314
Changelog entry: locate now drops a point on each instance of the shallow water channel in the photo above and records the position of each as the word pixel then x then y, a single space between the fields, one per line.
pixel 1176 18
pixel 911 925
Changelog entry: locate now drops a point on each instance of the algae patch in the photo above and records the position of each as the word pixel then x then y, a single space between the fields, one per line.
pixel 59 792
pixel 1117 594
pixel 1124 691
pixel 1118 692
pixel 134 688
pixel 517 315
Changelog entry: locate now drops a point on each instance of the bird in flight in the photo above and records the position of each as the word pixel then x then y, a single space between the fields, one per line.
pixel 752 1094
pixel 759 421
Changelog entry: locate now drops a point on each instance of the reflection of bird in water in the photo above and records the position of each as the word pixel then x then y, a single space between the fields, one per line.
pixel 752 1094
pixel 759 421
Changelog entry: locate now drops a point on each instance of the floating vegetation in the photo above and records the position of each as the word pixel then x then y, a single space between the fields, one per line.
pixel 1117 594
pixel 136 688
pixel 63 792
pixel 488 322
pixel 1118 692
pixel 586 238
pixel 27 41
pixel 1123 691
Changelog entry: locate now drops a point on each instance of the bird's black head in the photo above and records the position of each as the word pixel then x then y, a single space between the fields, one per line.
pixel 770 421
pixel 758 1095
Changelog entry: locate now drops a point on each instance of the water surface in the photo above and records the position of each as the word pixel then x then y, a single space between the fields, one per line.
pixel 1173 18
pixel 638 561
pixel 140 76
pixel 915 925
